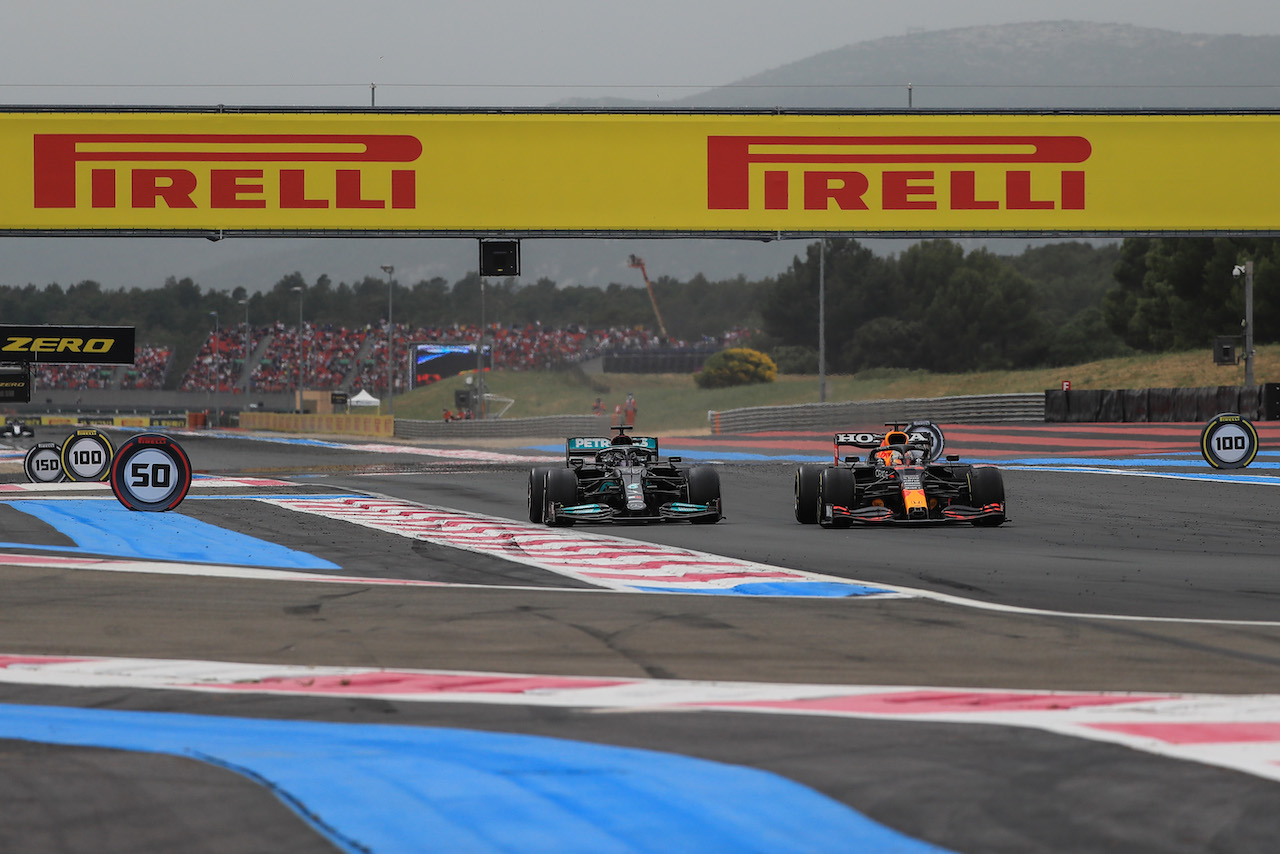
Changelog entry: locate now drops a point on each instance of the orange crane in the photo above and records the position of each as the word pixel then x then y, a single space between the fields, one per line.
pixel 635 261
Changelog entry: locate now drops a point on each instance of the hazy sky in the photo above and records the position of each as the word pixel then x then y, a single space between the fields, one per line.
pixel 482 52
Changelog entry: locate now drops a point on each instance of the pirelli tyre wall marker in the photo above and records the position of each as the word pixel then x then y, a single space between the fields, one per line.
pixel 43 463
pixel 86 455
pixel 1229 441
pixel 150 472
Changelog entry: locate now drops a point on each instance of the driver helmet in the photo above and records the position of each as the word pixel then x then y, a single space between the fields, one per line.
pixel 891 456
pixel 621 439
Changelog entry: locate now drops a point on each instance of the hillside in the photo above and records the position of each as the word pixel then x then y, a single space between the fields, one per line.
pixel 672 402
pixel 1044 65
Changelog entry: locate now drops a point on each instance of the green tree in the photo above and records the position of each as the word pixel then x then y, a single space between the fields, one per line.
pixel 859 286
pixel 985 318
pixel 1179 293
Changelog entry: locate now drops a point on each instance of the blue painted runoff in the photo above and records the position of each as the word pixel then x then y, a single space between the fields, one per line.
pixel 388 789
pixel 108 528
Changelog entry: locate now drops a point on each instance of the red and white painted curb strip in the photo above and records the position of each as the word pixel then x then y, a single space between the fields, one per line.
pixel 609 562
pixel 1237 732
pixel 199 482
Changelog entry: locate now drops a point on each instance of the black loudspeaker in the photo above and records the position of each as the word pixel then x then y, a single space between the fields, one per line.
pixel 1270 402
pixel 1224 350
pixel 499 257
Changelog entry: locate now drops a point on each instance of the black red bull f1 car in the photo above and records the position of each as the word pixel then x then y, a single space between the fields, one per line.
pixel 623 480
pixel 904 479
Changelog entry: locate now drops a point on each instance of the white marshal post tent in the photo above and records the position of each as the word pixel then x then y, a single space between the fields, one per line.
pixel 363 398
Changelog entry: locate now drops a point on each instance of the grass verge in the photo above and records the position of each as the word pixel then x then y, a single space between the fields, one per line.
pixel 674 402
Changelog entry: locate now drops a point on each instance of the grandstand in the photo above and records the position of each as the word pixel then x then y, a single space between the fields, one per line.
pixel 328 357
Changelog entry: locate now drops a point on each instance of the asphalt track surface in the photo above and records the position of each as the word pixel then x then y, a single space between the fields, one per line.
pixel 1099 582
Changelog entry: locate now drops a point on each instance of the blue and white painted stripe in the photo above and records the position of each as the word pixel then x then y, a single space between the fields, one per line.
pixel 106 527
pixel 387 789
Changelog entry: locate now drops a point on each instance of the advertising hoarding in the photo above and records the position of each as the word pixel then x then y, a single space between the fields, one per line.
pixel 561 173
pixel 434 362
pixel 67 345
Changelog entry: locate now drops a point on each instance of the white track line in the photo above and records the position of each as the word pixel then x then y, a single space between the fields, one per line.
pixel 1240 732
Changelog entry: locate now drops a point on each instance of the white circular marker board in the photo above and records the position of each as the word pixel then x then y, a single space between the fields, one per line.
pixel 86 455
pixel 1228 441
pixel 43 463
pixel 150 472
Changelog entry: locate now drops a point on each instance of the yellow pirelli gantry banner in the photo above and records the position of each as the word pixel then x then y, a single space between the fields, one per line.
pixel 516 173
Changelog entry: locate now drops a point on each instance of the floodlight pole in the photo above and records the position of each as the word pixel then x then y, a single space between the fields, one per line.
pixel 479 404
pixel 1248 324
pixel 391 346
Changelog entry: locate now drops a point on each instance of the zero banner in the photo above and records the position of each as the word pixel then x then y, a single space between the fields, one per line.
pixel 72 345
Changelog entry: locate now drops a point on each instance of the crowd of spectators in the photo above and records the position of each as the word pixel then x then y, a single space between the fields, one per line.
pixel 326 355
pixel 72 376
pixel 276 369
pixel 218 365
pixel 334 357
pixel 330 354
pixel 150 368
